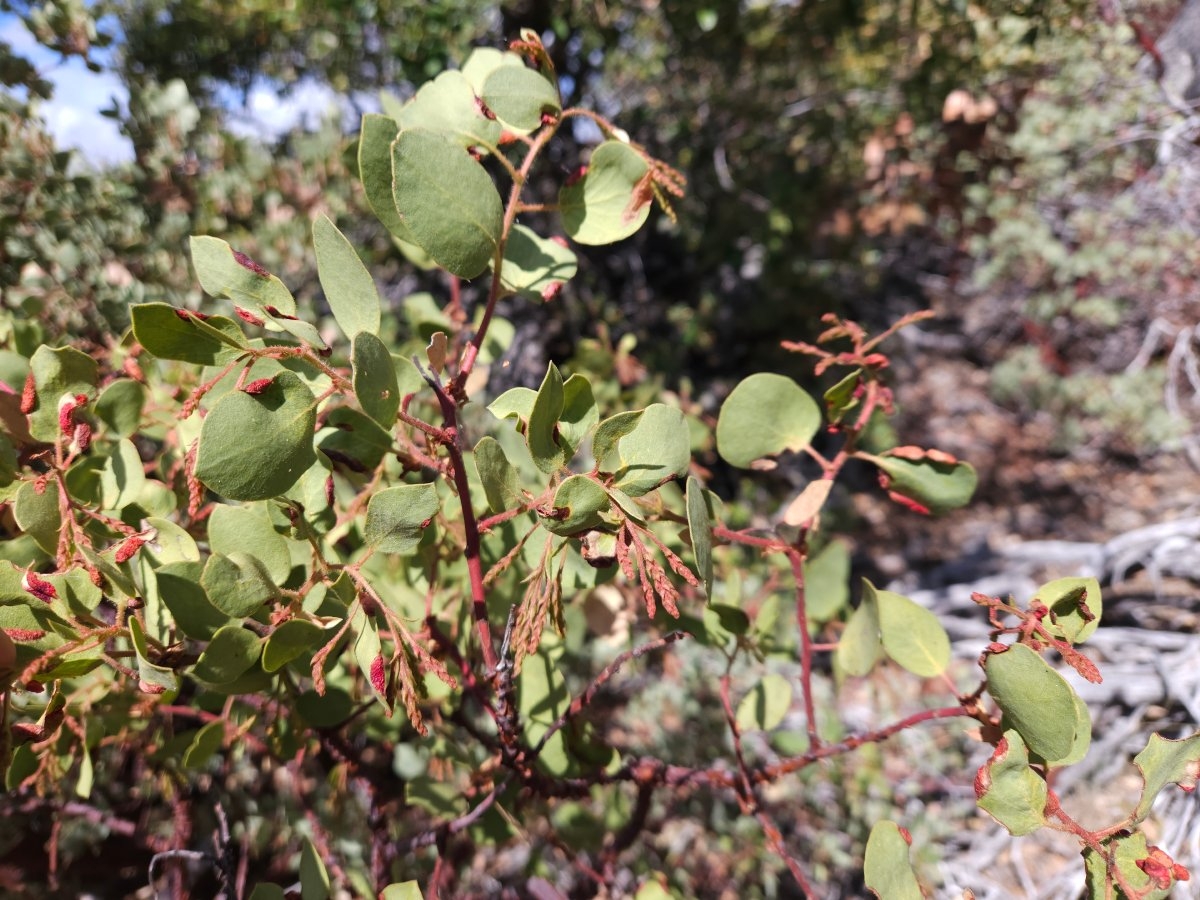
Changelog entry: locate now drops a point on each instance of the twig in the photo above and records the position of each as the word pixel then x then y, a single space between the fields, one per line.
pixel 579 703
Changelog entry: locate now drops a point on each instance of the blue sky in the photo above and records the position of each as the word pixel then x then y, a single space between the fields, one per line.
pixel 73 114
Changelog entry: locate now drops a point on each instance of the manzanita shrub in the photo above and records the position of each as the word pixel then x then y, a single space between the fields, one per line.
pixel 243 534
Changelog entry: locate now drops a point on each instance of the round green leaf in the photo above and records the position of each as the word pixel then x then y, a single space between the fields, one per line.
pixel 170 543
pixel 520 96
pixel 348 285
pixel 1009 791
pixel 911 634
pixel 38 512
pixel 1035 700
pixel 288 642
pixel 655 449
pixel 248 529
pixel 1068 598
pixel 179 585
pixel 397 516
pixel 353 440
pixel 447 200
pixel 765 415
pixel 375 382
pixel 887 871
pixel 58 372
pixel 612 199
pixel 447 105
pixel 238 585
pixel 230 653
pixel 122 478
pixel 281 419
pixel 535 266
pixel 120 406
pixel 579 501
pixel 766 705
pixel 483 61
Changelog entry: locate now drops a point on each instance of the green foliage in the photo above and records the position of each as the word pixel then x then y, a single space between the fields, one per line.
pixel 285 539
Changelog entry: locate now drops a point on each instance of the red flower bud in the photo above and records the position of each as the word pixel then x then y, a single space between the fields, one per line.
pixel 25 634
pixel 378 674
pixel 28 395
pixel 128 547
pixel 255 388
pixel 83 436
pixel 39 587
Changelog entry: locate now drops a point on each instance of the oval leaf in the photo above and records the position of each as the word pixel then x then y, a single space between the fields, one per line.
pixel 230 653
pixel 911 634
pixel 1009 791
pixel 375 382
pixel 699 516
pixel 534 266
pixel 447 200
pixel 859 646
pixel 1075 607
pixel 1166 762
pixel 766 705
pixel 612 199
pixel 656 449
pixel 765 415
pixel 238 585
pixel 165 334
pixel 934 484
pixel 519 97
pixel 57 371
pixel 887 871
pixel 248 530
pixel 827 581
pixel 1035 700
pixel 288 642
pixel 282 417
pixel 375 171
pixel 578 503
pixel 223 272
pixel 499 478
pixel 397 516
pixel 448 106
pixel 348 285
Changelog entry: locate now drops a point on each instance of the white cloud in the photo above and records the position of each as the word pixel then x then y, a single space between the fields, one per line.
pixel 72 115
